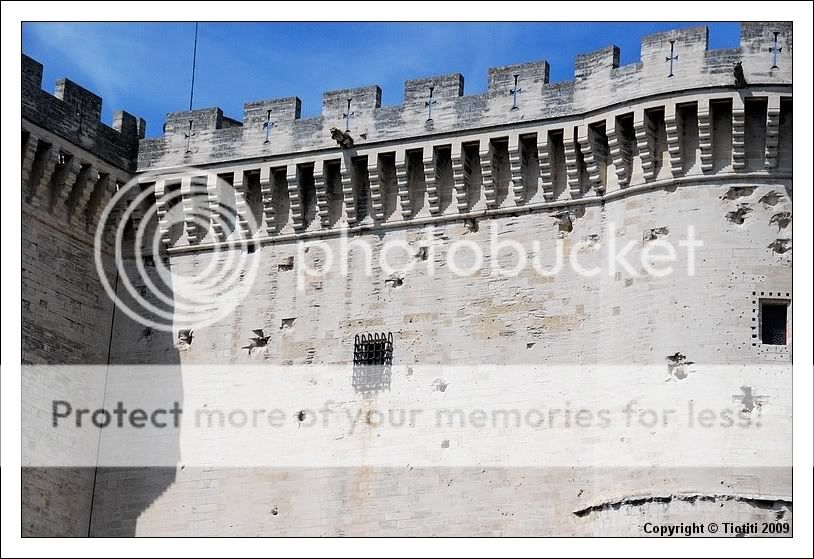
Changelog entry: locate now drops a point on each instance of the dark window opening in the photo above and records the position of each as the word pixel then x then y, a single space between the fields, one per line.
pixel 373 349
pixel 372 361
pixel 773 322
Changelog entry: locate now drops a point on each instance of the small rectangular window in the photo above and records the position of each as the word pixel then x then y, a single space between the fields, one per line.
pixel 773 321
pixel 373 349
pixel 372 360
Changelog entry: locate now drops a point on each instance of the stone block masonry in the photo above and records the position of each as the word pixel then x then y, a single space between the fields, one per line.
pixel 639 153
pixel 71 166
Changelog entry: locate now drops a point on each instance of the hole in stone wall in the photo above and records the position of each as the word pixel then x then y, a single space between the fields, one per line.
pixel 782 220
pixel 445 178
pixel 197 224
pixel 735 192
pixel 471 161
pixel 387 183
pixel 37 168
pixel 592 242
pixel 582 170
pixel 773 321
pixel 501 172
pixel 754 141
pixel 254 199
pixel 146 334
pixel 565 222
pixel 440 386
pixel 558 167
pixel 677 366
pixel 26 136
pixel 771 198
pixel 281 201
pixel 739 216
pixel 185 337
pixel 333 191
pixel 416 184
pixel 687 116
pixel 661 157
pixel 361 182
pixel 780 246
pixel 226 217
pixel 78 188
pixel 286 265
pixel 308 194
pixel 259 340
pixel 785 149
pixel 656 233
pixel 601 152
pixel 96 197
pixel 58 179
pixel 175 210
pixel 721 134
pixel 530 168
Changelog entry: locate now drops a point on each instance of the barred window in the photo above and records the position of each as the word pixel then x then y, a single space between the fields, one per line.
pixel 372 360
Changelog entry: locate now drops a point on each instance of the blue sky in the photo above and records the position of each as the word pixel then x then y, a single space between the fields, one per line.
pixel 145 68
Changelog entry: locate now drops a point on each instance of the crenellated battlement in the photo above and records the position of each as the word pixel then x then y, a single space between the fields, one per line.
pixel 675 117
pixel 74 114
pixel 670 62
pixel 71 161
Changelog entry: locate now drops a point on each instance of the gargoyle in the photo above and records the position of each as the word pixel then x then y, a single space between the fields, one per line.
pixel 740 79
pixel 343 139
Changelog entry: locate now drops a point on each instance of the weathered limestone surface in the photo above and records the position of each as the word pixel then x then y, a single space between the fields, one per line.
pixel 528 319
pixel 619 153
pixel 71 164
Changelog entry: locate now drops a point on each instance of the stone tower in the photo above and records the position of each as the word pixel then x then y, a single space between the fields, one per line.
pixel 637 153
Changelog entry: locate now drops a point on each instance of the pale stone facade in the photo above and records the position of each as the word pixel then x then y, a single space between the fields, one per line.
pixel 620 152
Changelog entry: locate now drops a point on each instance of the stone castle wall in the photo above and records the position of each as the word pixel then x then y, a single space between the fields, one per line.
pixel 625 146
pixel 71 165
pixel 441 319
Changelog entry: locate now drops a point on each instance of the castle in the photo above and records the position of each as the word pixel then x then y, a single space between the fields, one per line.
pixel 685 138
